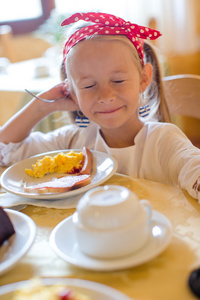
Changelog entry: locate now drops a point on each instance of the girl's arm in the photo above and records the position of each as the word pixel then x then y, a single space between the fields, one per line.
pixel 21 124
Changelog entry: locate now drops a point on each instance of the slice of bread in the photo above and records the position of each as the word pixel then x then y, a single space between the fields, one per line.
pixel 59 185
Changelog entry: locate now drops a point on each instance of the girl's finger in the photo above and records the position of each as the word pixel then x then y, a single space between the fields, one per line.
pixel 66 88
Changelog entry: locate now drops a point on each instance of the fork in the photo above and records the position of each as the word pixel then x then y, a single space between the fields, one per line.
pixel 45 100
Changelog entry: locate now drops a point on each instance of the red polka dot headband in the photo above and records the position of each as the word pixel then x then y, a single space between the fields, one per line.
pixel 107 24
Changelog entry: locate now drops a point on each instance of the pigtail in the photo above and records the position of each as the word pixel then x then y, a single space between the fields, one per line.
pixel 155 92
pixel 63 74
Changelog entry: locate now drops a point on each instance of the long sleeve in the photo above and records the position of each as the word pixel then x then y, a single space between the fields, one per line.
pixel 169 157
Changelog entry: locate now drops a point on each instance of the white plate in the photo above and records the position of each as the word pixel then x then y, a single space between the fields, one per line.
pixel 91 289
pixel 63 241
pixel 104 166
pixel 18 244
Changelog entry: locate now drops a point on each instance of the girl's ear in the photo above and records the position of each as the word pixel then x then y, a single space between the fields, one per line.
pixel 147 73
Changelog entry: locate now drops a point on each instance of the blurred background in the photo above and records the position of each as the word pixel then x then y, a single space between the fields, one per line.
pixel 35 26
pixel 31 42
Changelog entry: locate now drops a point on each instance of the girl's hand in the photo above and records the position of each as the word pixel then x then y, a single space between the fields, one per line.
pixel 64 103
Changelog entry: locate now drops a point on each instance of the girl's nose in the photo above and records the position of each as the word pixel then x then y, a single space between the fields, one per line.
pixel 106 95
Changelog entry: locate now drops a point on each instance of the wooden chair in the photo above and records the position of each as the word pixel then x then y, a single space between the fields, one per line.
pixel 183 99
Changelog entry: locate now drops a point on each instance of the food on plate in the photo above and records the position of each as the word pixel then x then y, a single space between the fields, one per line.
pixel 67 163
pixel 77 163
pixel 59 185
pixel 35 290
pixel 6 226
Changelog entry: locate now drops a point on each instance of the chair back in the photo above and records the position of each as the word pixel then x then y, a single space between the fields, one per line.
pixel 182 94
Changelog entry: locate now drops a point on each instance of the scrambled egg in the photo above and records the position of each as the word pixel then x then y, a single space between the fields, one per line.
pixel 36 291
pixel 68 163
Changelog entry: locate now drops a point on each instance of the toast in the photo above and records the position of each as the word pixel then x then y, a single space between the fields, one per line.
pixel 59 185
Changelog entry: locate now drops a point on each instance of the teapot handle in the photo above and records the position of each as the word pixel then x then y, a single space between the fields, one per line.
pixel 148 207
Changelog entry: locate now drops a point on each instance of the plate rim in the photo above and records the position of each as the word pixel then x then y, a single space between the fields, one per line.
pixel 12 261
pixel 58 196
pixel 115 262
pixel 76 282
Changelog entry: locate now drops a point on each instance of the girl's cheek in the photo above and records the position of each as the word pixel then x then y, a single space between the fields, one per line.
pixel 80 97
pixel 82 102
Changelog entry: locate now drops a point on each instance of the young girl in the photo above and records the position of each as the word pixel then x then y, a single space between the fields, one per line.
pixel 107 73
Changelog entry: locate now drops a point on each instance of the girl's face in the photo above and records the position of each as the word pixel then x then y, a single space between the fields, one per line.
pixel 105 82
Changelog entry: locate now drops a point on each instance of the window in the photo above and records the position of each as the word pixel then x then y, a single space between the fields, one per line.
pixel 24 16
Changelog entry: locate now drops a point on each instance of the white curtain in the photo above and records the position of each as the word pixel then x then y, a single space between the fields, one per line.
pixel 174 18
pixel 177 24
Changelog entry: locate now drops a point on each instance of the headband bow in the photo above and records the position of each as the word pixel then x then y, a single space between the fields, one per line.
pixel 107 24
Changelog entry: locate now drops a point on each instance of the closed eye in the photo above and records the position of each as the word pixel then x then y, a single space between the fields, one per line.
pixel 89 86
pixel 118 81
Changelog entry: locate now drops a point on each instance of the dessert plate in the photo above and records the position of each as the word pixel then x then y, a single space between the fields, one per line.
pixel 91 289
pixel 16 247
pixel 13 179
pixel 63 242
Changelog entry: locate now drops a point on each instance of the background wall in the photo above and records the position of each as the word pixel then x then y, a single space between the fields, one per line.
pixel 22 47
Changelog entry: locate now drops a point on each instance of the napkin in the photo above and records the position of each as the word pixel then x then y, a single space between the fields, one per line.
pixel 8 200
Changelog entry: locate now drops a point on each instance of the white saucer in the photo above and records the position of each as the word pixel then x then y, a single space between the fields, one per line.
pixel 62 240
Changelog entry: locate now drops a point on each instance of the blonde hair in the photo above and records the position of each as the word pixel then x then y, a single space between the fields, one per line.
pixel 154 94
pixel 155 91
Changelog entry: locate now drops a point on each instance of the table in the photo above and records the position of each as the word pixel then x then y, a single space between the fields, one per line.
pixel 165 277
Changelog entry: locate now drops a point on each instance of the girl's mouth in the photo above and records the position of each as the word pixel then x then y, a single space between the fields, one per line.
pixel 110 111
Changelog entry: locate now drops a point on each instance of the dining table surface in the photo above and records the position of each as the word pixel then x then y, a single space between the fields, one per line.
pixel 164 277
